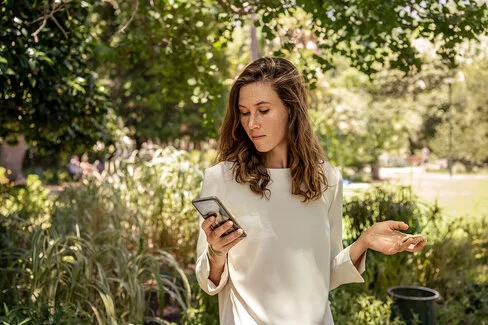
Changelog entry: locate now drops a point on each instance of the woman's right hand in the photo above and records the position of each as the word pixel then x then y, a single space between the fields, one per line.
pixel 221 245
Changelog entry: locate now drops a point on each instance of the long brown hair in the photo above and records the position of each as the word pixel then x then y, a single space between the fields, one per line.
pixel 305 156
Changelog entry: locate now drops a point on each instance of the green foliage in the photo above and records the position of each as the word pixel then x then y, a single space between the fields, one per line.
pixel 64 279
pixel 340 145
pixel 381 204
pixel 204 310
pixel 22 209
pixel 100 261
pixel 102 252
pixel 350 308
pixel 469 119
pixel 452 262
pixel 423 106
pixel 54 176
pixel 148 194
pixel 166 65
pixel 371 35
pixel 357 119
pixel 47 91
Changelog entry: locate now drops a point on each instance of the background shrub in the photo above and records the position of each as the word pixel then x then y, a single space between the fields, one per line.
pixel 453 261
pixel 95 252
pixel 108 250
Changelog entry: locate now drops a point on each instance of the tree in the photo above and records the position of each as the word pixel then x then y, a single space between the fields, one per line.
pixel 469 111
pixel 358 119
pixel 354 123
pixel 47 91
pixel 372 34
pixel 426 106
pixel 165 65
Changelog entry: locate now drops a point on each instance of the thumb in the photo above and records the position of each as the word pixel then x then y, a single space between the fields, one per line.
pixel 398 225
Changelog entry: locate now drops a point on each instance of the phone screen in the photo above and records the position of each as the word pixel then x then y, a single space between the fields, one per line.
pixel 211 206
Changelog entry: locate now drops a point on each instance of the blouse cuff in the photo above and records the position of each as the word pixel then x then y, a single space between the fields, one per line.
pixel 344 271
pixel 361 262
pixel 203 272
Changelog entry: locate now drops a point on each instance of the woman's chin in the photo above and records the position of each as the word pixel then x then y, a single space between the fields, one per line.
pixel 261 149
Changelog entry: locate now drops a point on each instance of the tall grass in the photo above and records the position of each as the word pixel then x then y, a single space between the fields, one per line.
pixel 65 279
pixel 103 251
pixel 109 250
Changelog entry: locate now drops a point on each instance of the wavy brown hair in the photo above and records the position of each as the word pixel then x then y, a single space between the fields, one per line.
pixel 305 156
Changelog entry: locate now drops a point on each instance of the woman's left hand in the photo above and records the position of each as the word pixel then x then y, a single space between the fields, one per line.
pixel 385 237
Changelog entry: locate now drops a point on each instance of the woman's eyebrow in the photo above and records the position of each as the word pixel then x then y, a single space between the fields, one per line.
pixel 257 104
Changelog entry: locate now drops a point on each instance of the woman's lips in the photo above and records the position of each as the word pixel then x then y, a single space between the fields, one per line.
pixel 258 137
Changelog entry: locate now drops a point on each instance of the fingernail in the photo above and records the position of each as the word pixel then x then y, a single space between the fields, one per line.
pixel 212 219
pixel 239 231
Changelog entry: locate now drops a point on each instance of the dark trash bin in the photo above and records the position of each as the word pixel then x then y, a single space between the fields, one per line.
pixel 414 304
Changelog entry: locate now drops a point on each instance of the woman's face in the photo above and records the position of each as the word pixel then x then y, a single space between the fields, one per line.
pixel 264 117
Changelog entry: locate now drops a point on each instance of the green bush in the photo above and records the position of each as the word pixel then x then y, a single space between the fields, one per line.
pixel 453 261
pixel 361 308
pixel 380 204
pixel 66 280
pixel 103 251
pixel 94 253
pixel 204 310
pixel 148 194
pixel 22 208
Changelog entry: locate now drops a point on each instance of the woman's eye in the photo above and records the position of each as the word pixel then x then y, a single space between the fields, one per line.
pixel 263 112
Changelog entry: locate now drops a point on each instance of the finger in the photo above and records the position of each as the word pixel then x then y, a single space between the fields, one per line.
pixel 206 225
pixel 403 245
pixel 231 237
pixel 220 230
pixel 403 236
pixel 418 247
pixel 208 222
pixel 232 244
pixel 398 225
pixel 413 243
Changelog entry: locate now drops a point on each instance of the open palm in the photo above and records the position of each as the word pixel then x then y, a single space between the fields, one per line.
pixel 385 237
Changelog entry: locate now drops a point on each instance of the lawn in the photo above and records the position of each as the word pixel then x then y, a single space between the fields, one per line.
pixel 459 196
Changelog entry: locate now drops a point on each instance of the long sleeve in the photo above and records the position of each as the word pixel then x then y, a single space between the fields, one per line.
pixel 342 269
pixel 210 186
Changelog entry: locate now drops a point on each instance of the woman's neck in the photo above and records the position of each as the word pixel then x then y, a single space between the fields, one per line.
pixel 277 158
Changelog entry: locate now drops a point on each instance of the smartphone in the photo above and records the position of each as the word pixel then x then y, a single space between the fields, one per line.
pixel 212 206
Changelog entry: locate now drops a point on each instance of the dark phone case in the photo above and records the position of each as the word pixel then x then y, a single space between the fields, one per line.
pixel 212 206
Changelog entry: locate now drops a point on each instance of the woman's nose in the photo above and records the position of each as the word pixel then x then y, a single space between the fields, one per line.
pixel 253 122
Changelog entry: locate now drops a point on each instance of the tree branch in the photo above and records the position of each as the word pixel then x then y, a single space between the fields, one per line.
pixel 233 9
pixel 50 15
pixel 56 22
pixel 131 18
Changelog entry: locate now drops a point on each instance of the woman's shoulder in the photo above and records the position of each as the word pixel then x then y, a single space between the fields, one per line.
pixel 219 171
pixel 332 173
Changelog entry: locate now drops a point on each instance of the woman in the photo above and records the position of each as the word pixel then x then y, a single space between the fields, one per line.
pixel 272 175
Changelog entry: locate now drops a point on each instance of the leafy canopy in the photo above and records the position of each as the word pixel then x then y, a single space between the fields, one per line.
pixel 47 90
pixel 373 34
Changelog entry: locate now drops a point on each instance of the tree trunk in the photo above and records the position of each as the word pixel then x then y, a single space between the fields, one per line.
pixel 375 171
pixel 254 41
pixel 12 158
pixel 469 166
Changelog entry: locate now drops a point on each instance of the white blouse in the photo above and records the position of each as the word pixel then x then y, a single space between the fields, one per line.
pixel 282 272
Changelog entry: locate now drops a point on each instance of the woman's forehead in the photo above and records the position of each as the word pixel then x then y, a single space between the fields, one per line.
pixel 256 94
